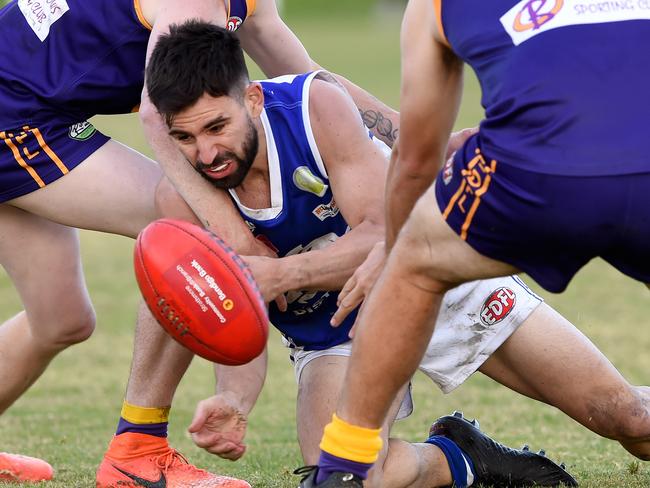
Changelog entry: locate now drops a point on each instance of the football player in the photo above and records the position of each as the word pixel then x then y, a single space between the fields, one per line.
pixel 547 184
pixel 63 62
pixel 309 181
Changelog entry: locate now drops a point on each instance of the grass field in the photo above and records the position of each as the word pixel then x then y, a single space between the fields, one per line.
pixel 69 416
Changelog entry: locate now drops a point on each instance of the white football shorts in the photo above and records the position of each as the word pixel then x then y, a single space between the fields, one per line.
pixel 474 320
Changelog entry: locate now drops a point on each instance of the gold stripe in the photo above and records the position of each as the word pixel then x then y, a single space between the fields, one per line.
pixel 141 18
pixel 21 161
pixel 227 3
pixel 346 441
pixel 477 200
pixel 250 7
pixel 144 415
pixel 437 9
pixel 452 202
pixel 49 151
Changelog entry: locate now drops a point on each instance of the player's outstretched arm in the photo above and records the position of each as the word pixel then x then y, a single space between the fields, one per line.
pixel 277 51
pixel 356 169
pixel 430 96
pixel 219 423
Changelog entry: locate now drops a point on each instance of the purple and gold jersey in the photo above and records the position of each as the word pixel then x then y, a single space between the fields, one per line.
pixel 73 59
pixel 564 82
pixel 64 61
pixel 303 214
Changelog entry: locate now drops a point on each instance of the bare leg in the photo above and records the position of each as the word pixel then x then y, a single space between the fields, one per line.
pixel 400 464
pixel 549 360
pixel 158 364
pixel 42 259
pixel 427 259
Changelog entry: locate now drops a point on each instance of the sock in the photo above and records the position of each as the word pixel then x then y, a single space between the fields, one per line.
pixel 460 464
pixel 347 448
pixel 143 420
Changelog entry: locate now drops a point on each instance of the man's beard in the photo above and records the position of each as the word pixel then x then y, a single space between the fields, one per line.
pixel 249 150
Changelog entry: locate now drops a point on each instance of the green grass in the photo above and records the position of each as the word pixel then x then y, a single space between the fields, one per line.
pixel 69 416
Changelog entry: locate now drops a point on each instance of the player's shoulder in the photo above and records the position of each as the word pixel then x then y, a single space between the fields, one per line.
pixel 329 101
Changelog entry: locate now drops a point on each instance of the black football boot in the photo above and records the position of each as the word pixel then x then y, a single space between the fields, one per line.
pixel 498 465
pixel 334 480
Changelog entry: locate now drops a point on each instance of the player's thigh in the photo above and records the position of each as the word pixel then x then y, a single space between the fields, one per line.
pixel 427 246
pixel 112 190
pixel 547 358
pixel 42 259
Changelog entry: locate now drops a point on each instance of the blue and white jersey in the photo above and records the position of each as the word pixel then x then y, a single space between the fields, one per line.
pixel 303 214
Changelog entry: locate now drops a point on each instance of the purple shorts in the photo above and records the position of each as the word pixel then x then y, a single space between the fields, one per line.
pixel 34 156
pixel 548 226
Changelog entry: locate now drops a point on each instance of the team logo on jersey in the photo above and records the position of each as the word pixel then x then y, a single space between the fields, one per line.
pixel 530 18
pixel 40 15
pixel 536 13
pixel 233 23
pixel 304 179
pixel 82 131
pixel 325 210
pixel 498 306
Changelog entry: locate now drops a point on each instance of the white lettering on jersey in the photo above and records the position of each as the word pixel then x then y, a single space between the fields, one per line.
pixel 41 14
pixel 532 17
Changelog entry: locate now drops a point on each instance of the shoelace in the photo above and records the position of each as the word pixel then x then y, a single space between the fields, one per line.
pixel 170 458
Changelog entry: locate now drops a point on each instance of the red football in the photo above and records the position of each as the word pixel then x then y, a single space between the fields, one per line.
pixel 200 291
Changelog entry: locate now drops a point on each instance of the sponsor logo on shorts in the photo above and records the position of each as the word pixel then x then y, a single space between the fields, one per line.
pixel 498 306
pixel 82 131
pixel 233 23
pixel 304 179
pixel 529 18
pixel 41 14
pixel 326 210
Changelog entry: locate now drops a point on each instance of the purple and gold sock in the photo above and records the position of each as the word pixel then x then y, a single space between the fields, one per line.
pixel 143 420
pixel 347 448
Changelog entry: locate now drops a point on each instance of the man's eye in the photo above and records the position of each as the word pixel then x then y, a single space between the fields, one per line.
pixel 182 137
pixel 215 129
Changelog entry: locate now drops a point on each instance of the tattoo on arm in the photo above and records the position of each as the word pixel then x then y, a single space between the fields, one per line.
pixel 377 122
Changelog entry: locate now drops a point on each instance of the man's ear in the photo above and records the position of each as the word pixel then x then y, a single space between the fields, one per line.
pixel 254 99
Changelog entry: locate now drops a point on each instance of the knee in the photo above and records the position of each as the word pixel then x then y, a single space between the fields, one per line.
pixel 624 415
pixel 418 258
pixel 170 204
pixel 65 330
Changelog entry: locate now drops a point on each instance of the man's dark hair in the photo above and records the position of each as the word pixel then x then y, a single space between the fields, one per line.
pixel 193 59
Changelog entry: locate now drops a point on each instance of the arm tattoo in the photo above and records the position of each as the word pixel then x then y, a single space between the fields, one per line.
pixel 378 123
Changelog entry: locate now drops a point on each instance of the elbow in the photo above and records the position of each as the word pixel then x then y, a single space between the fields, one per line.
pixel 149 116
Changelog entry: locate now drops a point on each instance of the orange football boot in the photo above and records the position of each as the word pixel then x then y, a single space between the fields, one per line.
pixel 21 469
pixel 139 460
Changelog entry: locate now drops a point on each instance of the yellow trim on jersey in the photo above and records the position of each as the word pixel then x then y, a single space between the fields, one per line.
pixel 351 442
pixel 250 6
pixel 437 12
pixel 141 18
pixel 48 151
pixel 21 161
pixel 227 4
pixel 144 415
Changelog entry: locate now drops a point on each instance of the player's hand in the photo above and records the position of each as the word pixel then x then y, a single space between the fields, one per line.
pixel 457 139
pixel 219 427
pixel 360 283
pixel 265 272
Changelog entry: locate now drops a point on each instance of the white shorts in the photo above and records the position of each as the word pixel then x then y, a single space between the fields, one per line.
pixel 474 320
